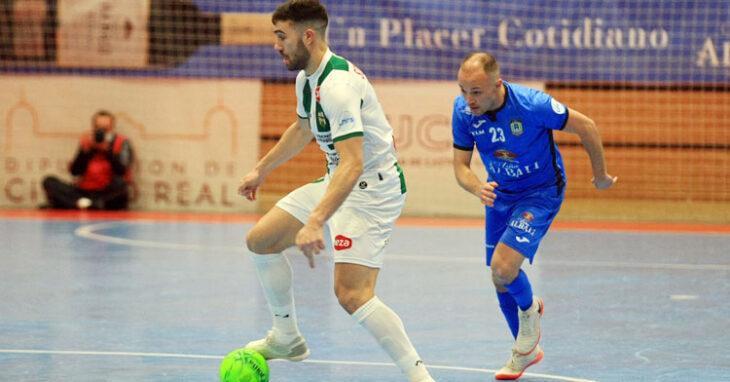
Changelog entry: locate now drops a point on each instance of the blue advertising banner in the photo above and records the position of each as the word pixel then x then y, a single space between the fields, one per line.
pixel 651 41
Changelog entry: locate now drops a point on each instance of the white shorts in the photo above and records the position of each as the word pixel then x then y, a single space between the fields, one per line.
pixel 359 230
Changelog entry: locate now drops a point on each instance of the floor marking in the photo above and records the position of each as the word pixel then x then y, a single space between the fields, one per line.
pixel 90 232
pixel 320 361
pixel 641 357
pixel 683 297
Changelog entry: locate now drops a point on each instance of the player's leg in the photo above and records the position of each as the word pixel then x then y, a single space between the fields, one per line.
pixel 271 235
pixel 495 225
pixel 527 225
pixel 355 290
pixel 507 274
pixel 360 231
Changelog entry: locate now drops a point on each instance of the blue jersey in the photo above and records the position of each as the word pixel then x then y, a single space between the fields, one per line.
pixel 515 141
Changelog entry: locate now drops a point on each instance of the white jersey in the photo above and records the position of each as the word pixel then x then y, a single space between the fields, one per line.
pixel 340 103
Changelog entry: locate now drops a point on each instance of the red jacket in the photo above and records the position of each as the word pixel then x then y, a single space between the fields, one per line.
pixel 97 168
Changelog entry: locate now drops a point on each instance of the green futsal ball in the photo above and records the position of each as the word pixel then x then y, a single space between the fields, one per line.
pixel 244 365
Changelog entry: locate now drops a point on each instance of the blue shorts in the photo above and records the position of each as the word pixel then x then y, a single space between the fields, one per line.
pixel 520 221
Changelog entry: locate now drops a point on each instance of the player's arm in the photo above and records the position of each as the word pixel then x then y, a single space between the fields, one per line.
pixel 585 128
pixel 469 181
pixel 294 139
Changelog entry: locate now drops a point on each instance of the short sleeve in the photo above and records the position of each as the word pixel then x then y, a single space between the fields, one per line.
pixel 341 104
pixel 548 112
pixel 463 140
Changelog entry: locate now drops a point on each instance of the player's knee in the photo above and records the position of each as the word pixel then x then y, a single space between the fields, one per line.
pixel 503 274
pixel 350 300
pixel 254 243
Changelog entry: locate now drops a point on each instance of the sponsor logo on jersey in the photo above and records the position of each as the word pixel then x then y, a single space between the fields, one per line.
pixel 316 94
pixel 346 121
pixel 363 185
pixel 479 123
pixel 512 169
pixel 333 159
pixel 505 155
pixel 516 126
pixel 558 107
pixel 358 72
pixel 342 242
pixel 347 118
pixel 522 239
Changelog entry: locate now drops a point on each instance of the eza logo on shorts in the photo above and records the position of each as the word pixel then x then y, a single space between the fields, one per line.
pixel 342 242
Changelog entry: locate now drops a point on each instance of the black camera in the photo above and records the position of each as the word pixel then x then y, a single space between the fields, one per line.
pixel 99 135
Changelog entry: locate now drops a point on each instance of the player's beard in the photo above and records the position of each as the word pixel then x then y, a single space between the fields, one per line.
pixel 300 58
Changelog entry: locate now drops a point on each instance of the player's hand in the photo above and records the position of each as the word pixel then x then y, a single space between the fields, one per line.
pixel 310 240
pixel 486 193
pixel 604 182
pixel 249 184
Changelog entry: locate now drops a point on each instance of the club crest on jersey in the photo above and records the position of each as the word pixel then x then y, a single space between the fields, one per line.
pixel 516 126
pixel 505 155
pixel 528 216
pixel 342 242
pixel 321 118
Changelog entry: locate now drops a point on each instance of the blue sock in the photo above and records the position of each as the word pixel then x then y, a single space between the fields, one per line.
pixel 509 310
pixel 521 290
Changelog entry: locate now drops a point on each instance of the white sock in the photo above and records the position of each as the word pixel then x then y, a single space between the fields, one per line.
pixel 275 275
pixel 387 328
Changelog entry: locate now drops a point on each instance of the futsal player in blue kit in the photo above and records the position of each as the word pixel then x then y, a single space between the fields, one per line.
pixel 511 127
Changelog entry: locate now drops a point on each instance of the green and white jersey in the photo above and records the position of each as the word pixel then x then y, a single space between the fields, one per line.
pixel 340 103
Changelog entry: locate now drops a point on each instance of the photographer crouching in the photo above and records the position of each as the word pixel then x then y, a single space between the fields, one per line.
pixel 101 170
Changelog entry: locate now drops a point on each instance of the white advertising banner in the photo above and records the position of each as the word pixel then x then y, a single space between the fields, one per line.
pixel 102 33
pixel 192 139
pixel 420 113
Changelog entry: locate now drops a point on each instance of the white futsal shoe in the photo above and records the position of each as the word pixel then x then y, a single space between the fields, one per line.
pixel 296 350
pixel 529 334
pixel 518 363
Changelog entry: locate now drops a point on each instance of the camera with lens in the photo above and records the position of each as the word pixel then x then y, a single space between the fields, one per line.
pixel 99 135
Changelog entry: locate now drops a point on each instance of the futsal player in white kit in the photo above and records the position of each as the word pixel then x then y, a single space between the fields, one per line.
pixel 357 201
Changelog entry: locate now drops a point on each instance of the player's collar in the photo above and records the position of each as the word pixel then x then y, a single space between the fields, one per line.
pixel 325 58
pixel 492 114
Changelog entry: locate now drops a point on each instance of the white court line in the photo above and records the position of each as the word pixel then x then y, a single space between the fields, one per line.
pixel 89 232
pixel 320 361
